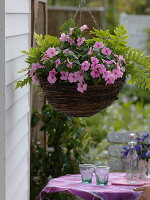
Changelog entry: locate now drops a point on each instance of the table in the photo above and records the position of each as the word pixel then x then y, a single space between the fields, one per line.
pixel 73 185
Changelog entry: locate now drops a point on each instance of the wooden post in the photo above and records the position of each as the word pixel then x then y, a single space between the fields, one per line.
pixel 39 25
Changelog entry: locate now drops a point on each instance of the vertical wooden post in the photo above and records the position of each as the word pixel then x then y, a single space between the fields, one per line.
pixel 39 25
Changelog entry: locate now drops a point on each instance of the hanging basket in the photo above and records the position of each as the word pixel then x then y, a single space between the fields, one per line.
pixel 65 98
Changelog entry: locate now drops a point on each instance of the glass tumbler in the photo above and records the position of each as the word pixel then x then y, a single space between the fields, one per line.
pixel 102 174
pixel 86 171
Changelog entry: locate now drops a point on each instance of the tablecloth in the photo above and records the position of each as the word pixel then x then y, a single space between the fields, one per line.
pixel 72 184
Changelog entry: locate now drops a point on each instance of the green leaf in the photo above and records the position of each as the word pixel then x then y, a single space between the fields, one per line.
pixel 70 23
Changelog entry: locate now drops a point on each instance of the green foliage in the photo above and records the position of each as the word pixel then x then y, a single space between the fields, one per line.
pixel 64 150
pixel 70 23
pixel 20 84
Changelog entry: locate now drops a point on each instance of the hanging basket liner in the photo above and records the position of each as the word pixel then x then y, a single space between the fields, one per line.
pixel 65 98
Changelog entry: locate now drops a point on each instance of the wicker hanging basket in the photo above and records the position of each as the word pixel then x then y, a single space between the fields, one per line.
pixel 65 98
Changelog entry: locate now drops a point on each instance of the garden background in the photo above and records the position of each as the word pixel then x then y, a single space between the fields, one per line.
pixel 69 141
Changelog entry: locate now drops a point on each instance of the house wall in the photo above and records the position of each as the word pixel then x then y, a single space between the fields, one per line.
pixel 2 101
pixel 17 38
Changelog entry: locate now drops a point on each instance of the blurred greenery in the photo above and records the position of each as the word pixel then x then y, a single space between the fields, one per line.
pixel 63 151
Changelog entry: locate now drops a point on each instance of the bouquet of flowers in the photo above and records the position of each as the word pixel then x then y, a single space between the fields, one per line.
pixel 142 147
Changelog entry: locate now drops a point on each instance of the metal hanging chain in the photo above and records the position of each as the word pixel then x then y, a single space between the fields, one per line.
pixel 83 4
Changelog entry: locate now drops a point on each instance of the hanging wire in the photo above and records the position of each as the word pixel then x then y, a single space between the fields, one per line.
pixel 83 4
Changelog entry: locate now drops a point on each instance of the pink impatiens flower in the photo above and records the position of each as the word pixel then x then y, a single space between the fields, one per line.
pixel 102 68
pixel 106 51
pixel 117 73
pixel 82 87
pixel 85 66
pixel 108 62
pixel 71 30
pixel 51 52
pixel 52 76
pixel 109 77
pixel 57 62
pixel 98 45
pixel 95 73
pixel 70 40
pixel 79 76
pixel 63 37
pixel 94 60
pixel 72 77
pixel 84 27
pixel 90 52
pixel 69 63
pixel 64 75
pixel 35 80
pixel 44 57
pixel 80 41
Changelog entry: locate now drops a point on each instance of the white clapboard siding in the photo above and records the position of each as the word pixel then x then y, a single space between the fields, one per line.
pixel 13 67
pixel 16 134
pixel 20 24
pixel 16 112
pixel 15 158
pixel 14 95
pixel 17 6
pixel 14 45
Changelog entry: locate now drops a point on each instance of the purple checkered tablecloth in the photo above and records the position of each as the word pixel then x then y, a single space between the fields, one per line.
pixel 72 184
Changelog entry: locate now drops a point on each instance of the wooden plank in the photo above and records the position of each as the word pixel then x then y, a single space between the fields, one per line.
pixel 15 6
pixel 2 102
pixel 16 112
pixel 12 95
pixel 20 24
pixel 16 156
pixel 12 67
pixel 16 134
pixel 21 190
pixel 14 46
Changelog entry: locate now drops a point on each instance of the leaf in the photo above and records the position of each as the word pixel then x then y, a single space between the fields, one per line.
pixel 70 23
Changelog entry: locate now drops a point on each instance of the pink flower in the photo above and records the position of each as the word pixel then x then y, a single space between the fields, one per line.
pixel 35 66
pixel 95 73
pixel 102 68
pixel 98 45
pixel 51 52
pixel 84 27
pixel 57 62
pixel 70 40
pixel 109 77
pixel 108 62
pixel 106 51
pixel 72 77
pixel 35 80
pixel 90 52
pixel 80 41
pixel 79 76
pixel 51 77
pixel 66 51
pixel 69 64
pixel 63 37
pixel 94 60
pixel 117 73
pixel 95 66
pixel 71 30
pixel 64 75
pixel 121 58
pixel 81 87
pixel 85 66
pixel 44 57
pixel 52 72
